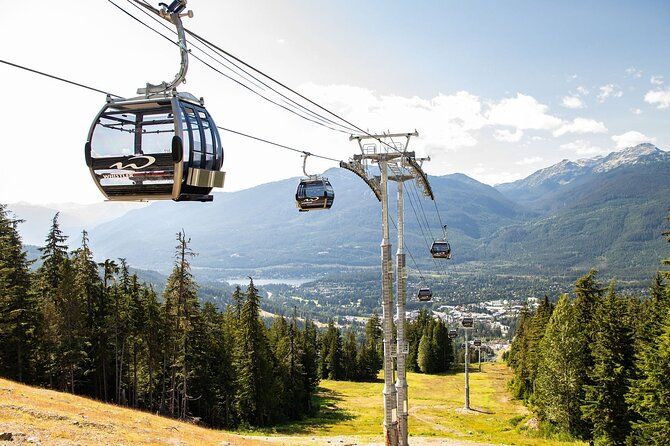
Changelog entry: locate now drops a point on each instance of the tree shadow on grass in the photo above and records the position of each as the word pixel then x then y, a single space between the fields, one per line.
pixel 328 413
pixel 473 409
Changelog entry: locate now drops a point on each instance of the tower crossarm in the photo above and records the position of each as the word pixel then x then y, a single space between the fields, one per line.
pixel 357 168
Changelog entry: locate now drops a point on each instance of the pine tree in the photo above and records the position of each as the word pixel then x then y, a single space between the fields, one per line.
pixel 589 292
pixel 613 351
pixel 426 357
pixel 136 321
pixel 518 358
pixel 48 278
pixel 558 389
pixel 120 322
pixel 331 353
pixel 18 315
pixel 104 326
pixel 279 344
pixel 414 331
pixel 294 388
pixel 650 395
pixel 441 345
pixel 251 363
pixel 238 301
pixel 373 340
pixel 181 304
pixel 71 330
pixel 334 357
pixel 350 367
pixel 153 332
pixel 310 353
pixel 54 253
pixel 535 332
pixel 88 283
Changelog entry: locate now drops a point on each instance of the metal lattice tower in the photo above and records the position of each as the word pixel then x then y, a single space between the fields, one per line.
pixel 397 165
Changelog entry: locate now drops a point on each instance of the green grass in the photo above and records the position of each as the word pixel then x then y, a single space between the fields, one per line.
pixel 436 401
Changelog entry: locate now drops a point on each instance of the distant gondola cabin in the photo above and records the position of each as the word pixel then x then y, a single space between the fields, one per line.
pixel 440 249
pixel 424 294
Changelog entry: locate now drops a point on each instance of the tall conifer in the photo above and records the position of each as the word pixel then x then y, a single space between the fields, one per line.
pixel 18 316
pixel 613 353
pixel 560 379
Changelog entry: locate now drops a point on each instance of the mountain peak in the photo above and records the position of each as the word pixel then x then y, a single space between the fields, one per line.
pixel 566 171
pixel 646 145
pixel 640 153
pixel 640 150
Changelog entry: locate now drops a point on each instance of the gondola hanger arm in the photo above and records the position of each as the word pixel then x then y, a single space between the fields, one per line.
pixel 172 13
pixel 304 163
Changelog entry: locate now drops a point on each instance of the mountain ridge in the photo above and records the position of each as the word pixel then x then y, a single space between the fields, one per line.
pixel 544 189
pixel 612 205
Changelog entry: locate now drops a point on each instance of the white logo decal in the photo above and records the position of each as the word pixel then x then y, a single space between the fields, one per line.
pixel 149 161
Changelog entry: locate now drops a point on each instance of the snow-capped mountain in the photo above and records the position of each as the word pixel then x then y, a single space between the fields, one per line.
pixel 640 154
pixel 535 189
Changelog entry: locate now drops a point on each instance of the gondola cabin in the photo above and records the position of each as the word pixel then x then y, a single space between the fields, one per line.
pixel 440 249
pixel 165 147
pixel 424 294
pixel 477 342
pixel 468 322
pixel 314 193
pixel 453 334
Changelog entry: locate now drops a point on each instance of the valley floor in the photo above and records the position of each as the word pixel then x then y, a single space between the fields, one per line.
pixel 350 415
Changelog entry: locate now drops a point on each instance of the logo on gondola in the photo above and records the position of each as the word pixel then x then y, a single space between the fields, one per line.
pixel 149 161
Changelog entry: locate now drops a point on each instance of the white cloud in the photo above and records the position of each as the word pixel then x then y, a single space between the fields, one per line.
pixel 634 72
pixel 583 148
pixel 582 90
pixel 581 126
pixel 609 91
pixel 636 111
pixel 522 112
pixel 446 122
pixel 572 102
pixel 508 136
pixel 656 80
pixel 630 139
pixel 660 98
pixel 281 41
pixel 530 160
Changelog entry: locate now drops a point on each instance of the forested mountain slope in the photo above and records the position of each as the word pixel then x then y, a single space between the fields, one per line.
pixel 606 212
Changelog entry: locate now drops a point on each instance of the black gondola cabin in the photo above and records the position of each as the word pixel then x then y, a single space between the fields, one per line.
pixel 313 194
pixel 424 294
pixel 440 249
pixel 159 148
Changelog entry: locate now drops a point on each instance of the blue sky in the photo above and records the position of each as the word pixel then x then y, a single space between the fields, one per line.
pixel 493 46
pixel 496 89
